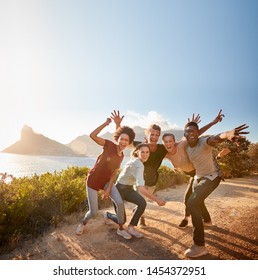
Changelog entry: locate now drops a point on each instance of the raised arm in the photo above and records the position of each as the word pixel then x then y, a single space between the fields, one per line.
pixel 230 135
pixel 94 134
pixel 218 118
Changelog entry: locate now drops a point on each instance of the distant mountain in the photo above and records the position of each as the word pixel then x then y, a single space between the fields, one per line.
pixel 84 145
pixel 32 143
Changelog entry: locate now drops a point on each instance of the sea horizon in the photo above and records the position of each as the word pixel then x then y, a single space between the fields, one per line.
pixel 19 165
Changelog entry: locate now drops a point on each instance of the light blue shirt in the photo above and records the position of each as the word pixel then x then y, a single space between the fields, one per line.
pixel 132 173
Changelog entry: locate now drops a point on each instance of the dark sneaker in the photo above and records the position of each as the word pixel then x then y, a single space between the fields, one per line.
pixel 142 223
pixel 196 251
pixel 183 224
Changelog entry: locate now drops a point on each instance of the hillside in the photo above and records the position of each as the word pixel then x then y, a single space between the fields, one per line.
pixel 32 143
pixel 233 236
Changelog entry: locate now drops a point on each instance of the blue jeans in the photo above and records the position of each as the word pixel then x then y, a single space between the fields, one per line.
pixel 129 194
pixel 197 208
pixel 93 204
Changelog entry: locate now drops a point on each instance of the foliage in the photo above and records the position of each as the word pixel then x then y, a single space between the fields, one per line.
pixel 30 205
pixel 237 163
pixel 253 155
pixel 168 178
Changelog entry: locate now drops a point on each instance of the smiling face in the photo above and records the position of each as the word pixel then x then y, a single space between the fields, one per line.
pixel 123 141
pixel 192 135
pixel 169 143
pixel 143 153
pixel 153 136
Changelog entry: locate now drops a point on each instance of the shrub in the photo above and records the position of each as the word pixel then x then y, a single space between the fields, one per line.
pixel 168 178
pixel 237 163
pixel 30 205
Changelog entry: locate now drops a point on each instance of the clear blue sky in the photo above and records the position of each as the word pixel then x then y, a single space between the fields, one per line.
pixel 65 65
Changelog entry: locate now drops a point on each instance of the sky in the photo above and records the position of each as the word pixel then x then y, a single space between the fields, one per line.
pixel 65 65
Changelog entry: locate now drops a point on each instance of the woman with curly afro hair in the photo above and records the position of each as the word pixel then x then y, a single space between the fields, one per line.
pixel 103 174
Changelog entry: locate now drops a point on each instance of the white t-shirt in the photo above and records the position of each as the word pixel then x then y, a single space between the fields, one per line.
pixel 203 159
pixel 132 173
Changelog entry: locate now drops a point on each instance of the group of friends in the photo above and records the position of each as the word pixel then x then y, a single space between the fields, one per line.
pixel 193 155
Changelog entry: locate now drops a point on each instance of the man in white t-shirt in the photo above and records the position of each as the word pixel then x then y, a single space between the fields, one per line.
pixel 206 180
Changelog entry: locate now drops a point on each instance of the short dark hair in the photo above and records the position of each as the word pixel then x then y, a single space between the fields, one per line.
pixel 168 134
pixel 125 130
pixel 137 148
pixel 191 124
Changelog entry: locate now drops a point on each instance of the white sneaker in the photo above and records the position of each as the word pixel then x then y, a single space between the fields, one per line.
pixel 80 229
pixel 131 230
pixel 123 233
pixel 106 220
pixel 196 251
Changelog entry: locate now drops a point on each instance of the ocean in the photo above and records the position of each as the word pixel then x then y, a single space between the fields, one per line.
pixel 28 165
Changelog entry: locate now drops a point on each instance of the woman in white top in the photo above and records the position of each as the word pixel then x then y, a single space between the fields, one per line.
pixel 132 176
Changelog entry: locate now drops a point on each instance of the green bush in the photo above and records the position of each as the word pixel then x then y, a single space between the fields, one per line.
pixel 169 179
pixel 28 206
pixel 237 163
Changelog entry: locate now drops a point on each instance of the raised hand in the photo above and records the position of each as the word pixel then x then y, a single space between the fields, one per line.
pixel 115 116
pixel 196 119
pixel 108 121
pixel 219 117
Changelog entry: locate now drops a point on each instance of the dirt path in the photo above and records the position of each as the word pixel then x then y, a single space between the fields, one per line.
pixel 233 208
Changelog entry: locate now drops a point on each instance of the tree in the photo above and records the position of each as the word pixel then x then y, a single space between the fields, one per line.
pixel 238 162
pixel 253 154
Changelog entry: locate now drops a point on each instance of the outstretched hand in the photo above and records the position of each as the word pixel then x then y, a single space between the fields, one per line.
pixel 237 132
pixel 115 116
pixel 196 119
pixel 161 202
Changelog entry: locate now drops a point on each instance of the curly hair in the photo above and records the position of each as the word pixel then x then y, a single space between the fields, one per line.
pixel 125 130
